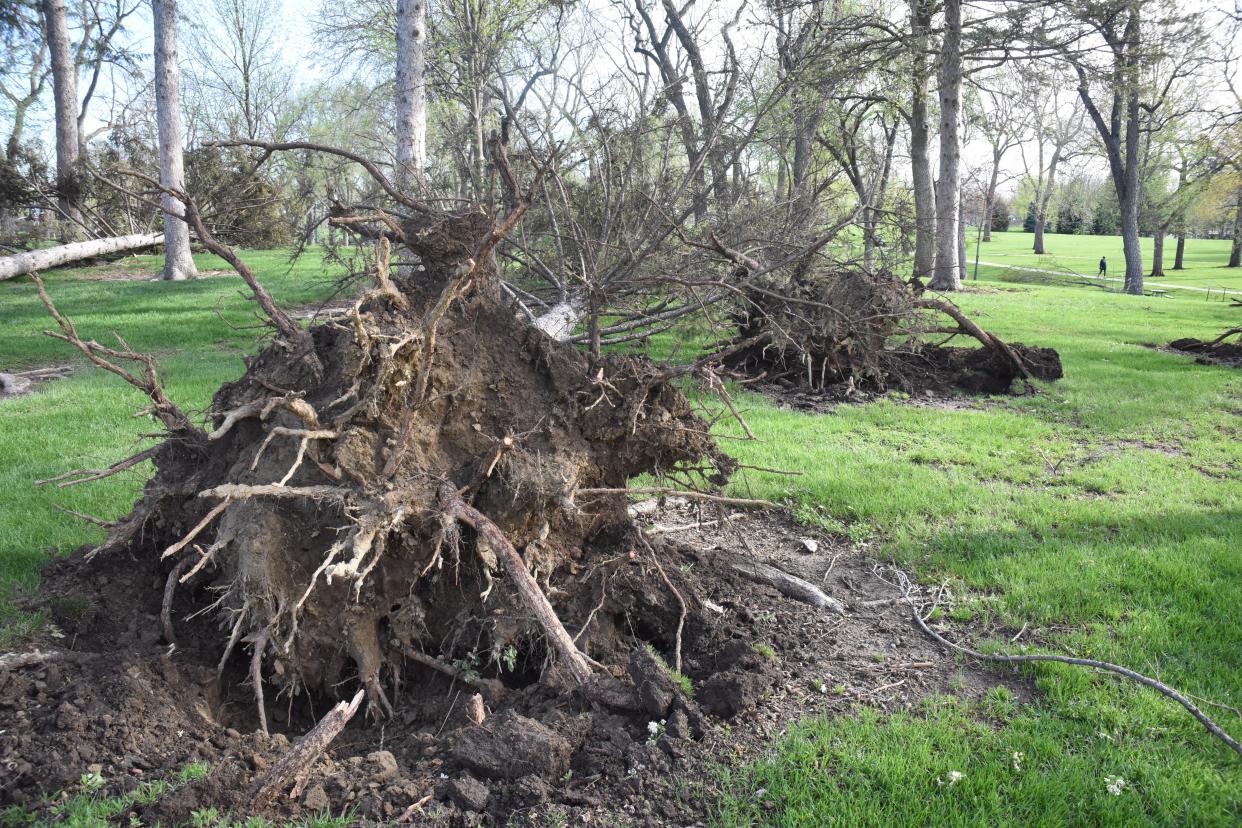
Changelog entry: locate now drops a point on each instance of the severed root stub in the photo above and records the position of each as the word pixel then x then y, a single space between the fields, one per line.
pixel 406 480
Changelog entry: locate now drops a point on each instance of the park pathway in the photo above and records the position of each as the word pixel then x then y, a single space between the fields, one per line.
pixel 1162 284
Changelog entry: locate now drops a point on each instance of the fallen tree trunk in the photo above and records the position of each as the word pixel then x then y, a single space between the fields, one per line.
pixel 35 260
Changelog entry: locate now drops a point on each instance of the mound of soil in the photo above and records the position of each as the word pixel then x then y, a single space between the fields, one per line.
pixel 120 703
pixel 1210 353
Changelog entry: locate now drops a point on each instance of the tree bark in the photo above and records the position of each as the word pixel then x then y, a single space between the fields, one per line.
pixel 1180 253
pixel 178 263
pixel 920 152
pixel 948 187
pixel 961 238
pixel 990 202
pixel 34 260
pixel 1235 252
pixel 65 92
pixel 1157 252
pixel 411 93
pixel 1122 145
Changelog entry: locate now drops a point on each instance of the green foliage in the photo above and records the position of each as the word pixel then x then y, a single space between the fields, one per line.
pixel 249 209
pixel 1000 214
pixel 765 650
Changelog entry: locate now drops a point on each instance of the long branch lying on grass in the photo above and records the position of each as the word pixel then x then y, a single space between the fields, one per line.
pixel 1002 658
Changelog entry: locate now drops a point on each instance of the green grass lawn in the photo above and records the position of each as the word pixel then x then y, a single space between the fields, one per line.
pixel 1105 513
pixel 85 420
pixel 1204 261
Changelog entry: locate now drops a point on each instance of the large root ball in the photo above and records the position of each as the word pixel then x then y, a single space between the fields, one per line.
pixel 329 509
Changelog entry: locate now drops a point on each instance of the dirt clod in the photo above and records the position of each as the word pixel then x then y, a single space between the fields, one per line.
pixel 655 686
pixel 510 746
pixel 468 793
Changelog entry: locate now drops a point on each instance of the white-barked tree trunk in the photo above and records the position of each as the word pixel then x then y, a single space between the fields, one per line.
pixel 178 263
pixel 411 93
pixel 47 257
pixel 65 93
pixel 948 187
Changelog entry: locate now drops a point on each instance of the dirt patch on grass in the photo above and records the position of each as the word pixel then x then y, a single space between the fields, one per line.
pixel 18 383
pixel 121 704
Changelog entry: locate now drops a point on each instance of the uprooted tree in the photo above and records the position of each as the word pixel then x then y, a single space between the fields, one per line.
pixel 409 475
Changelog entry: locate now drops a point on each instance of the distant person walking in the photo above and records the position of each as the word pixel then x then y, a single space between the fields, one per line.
pixel 1103 266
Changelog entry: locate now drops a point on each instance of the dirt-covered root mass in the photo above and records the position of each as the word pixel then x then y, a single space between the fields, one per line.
pixel 1217 351
pixel 409 481
pixel 850 332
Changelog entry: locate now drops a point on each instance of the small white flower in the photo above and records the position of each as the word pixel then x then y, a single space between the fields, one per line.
pixel 653 728
pixel 1115 784
pixel 1018 756
pixel 954 778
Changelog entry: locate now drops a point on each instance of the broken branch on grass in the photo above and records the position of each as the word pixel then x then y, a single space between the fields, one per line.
pixel 972 328
pixel 90 475
pixel 1147 681
pixel 791 586
pixel 687 493
pixel 16 661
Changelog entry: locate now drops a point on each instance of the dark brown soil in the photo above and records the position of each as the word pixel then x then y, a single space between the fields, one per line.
pixel 1222 353
pixel 123 705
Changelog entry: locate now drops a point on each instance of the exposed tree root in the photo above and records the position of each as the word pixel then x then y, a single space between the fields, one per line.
pixel 853 332
pixel 1147 681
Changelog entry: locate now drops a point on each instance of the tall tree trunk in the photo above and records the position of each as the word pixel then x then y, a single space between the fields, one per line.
pixel 65 92
pixel 178 263
pixel 920 146
pixel 1131 248
pixel 1235 252
pixel 961 238
pixel 1045 199
pixel 990 202
pixel 1130 188
pixel 1157 252
pixel 1179 255
pixel 411 93
pixel 948 186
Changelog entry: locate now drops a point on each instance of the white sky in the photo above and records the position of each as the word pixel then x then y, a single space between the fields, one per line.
pixel 299 50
